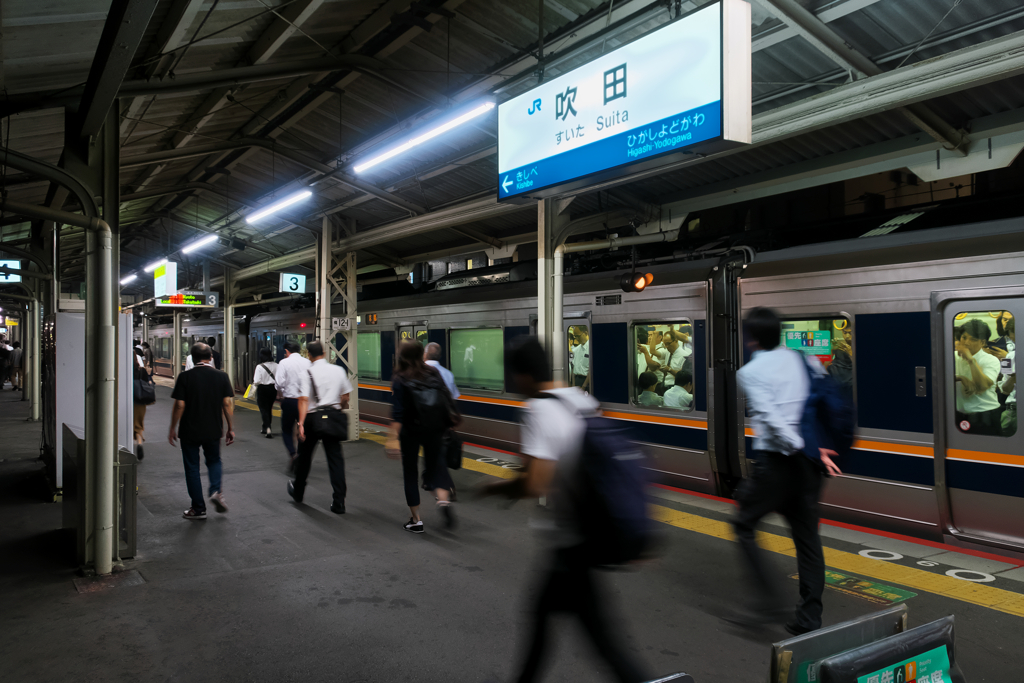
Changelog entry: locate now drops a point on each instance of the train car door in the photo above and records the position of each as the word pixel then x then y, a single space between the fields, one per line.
pixel 411 331
pixel 979 451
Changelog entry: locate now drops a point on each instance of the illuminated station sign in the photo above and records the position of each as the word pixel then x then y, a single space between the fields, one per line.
pixel 681 89
pixel 188 300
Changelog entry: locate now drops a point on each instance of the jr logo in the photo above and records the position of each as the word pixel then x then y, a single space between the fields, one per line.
pixel 535 108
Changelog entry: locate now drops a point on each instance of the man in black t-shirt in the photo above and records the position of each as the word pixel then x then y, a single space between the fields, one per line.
pixel 203 399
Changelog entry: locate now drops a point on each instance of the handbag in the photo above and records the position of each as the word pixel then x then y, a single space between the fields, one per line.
pixel 327 422
pixel 143 392
pixel 452 450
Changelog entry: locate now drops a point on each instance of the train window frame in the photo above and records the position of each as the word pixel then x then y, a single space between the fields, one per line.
pixel 448 355
pixel 425 324
pixel 850 320
pixel 631 345
pixel 380 366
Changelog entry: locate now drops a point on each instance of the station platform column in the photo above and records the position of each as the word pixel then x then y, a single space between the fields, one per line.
pixel 336 278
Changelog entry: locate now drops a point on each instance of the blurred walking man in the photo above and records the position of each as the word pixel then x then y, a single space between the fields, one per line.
pixel 786 477
pixel 552 441
pixel 432 357
pixel 203 399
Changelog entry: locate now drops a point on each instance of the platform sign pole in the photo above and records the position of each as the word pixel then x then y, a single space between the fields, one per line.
pixel 550 221
pixel 324 293
pixel 176 347
pixel 227 353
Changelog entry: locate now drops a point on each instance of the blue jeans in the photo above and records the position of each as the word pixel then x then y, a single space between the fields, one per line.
pixel 190 454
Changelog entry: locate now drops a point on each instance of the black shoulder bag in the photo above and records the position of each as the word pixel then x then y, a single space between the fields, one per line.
pixel 327 422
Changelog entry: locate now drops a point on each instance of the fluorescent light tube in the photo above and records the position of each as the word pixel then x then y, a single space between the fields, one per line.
pixel 201 243
pixel 154 265
pixel 277 206
pixel 129 279
pixel 430 134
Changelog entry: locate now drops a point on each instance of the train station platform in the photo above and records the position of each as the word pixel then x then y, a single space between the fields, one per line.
pixel 275 591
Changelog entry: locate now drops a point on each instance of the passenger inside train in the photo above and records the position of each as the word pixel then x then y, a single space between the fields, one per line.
pixel 985 373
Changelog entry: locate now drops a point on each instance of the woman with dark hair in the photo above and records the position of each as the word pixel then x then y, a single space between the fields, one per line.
pixel 421 411
pixel 266 391
pixel 139 406
pixel 1004 344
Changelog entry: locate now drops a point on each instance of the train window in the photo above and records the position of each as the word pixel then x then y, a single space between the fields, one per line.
pixel 369 355
pixel 663 370
pixel 830 340
pixel 578 348
pixel 985 378
pixel 478 358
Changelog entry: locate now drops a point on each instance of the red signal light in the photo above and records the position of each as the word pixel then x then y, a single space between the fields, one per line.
pixel 302 324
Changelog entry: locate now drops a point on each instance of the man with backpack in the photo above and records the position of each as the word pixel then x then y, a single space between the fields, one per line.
pixel 593 480
pixel 788 405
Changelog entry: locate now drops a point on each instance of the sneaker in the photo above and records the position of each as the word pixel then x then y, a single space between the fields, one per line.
pixel 415 527
pixel 449 515
pixel 191 513
pixel 269 435
pixel 218 502
pixel 291 491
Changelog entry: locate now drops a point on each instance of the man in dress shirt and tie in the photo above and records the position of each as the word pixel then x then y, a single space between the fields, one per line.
pixel 786 478
pixel 322 387
pixel 287 379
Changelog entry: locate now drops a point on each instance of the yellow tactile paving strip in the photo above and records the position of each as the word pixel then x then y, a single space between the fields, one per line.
pixel 917 579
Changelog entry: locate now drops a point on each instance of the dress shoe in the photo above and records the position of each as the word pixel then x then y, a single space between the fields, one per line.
pixel 291 491
pixel 338 508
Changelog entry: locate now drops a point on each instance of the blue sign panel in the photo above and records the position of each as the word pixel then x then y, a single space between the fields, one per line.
pixel 663 93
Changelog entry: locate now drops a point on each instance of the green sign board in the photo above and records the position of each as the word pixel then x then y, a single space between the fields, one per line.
pixel 809 342
pixel 929 667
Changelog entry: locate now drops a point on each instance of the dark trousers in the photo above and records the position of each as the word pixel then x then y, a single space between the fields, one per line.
pixel 266 394
pixel 791 486
pixel 289 416
pixel 190 456
pixel 987 422
pixel 335 463
pixel 570 586
pixel 435 472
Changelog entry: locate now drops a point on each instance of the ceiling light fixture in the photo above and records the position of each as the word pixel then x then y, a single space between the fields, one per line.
pixel 128 279
pixel 201 243
pixel 430 134
pixel 154 265
pixel 277 206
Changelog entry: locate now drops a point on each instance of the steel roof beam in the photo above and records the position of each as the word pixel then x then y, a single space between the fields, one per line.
pixel 832 45
pixel 126 24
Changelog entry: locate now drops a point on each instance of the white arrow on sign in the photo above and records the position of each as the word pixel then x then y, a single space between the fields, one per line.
pixel 505 183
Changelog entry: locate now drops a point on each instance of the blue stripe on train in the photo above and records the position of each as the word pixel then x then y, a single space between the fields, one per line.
pixel 879 465
pixel 985 477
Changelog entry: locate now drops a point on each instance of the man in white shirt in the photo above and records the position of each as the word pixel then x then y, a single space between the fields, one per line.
pixel 680 395
pixel 977 407
pixel 552 437
pixel 676 357
pixel 323 388
pixel 655 355
pixel 581 359
pixel 432 357
pixel 785 478
pixel 287 379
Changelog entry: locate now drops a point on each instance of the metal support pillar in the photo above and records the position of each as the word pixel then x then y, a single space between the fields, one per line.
pixel 227 353
pixel 337 279
pixel 550 219
pixel 145 327
pixel 176 347
pixel 33 383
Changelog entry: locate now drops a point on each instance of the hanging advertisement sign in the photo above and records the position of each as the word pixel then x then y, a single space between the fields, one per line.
pixel 165 279
pixel 683 88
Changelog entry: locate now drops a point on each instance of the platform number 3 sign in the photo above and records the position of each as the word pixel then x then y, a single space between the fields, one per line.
pixel 293 283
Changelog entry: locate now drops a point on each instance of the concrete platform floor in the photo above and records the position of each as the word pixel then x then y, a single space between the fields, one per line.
pixel 274 591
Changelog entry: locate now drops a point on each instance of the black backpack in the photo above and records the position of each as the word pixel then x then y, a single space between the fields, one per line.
pixel 608 491
pixel 4 353
pixel 434 410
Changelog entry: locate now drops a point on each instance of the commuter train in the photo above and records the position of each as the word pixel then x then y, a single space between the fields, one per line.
pixel 880 312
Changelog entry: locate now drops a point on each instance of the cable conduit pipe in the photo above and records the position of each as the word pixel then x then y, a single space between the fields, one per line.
pixel 100 361
pixel 558 284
